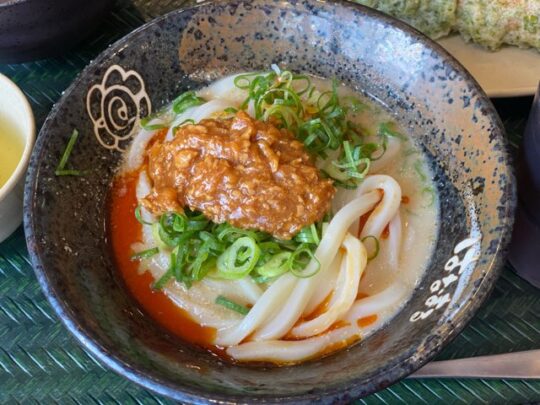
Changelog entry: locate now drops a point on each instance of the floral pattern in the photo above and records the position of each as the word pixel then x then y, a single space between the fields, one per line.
pixel 116 106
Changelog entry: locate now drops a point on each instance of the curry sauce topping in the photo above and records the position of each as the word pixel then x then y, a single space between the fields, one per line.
pixel 241 171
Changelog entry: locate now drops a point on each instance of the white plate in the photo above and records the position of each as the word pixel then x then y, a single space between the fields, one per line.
pixel 508 72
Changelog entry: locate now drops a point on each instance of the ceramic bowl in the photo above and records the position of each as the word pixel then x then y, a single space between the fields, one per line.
pixel 15 107
pixel 427 91
pixel 33 29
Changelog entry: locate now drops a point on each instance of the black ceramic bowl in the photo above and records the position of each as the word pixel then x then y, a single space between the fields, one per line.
pixel 33 29
pixel 425 88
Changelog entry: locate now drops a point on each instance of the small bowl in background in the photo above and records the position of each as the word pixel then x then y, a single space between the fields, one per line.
pixel 14 107
pixel 33 29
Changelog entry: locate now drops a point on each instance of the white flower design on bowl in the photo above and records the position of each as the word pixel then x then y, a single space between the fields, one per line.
pixel 116 106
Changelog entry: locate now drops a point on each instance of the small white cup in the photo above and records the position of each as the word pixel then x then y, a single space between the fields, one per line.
pixel 15 106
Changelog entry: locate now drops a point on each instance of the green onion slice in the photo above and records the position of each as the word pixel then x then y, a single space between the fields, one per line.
pixel 164 279
pixel 138 216
pixel 308 235
pixel 387 129
pixel 145 124
pixel 276 265
pixel 299 261
pixel 145 254
pixel 60 169
pixel 70 172
pixel 186 100
pixel 377 246
pixel 238 259
pixel 233 306
pixel 230 110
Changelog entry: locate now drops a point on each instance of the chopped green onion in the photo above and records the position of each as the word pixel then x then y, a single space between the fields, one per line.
pixel 60 170
pixel 67 172
pixel 200 248
pixel 185 122
pixel 145 254
pixel 164 279
pixel 307 88
pixel 277 265
pixel 530 23
pixel 387 129
pixel 270 247
pixel 299 261
pixel 375 147
pixel 238 259
pixel 185 101
pixel 164 231
pixel 377 246
pixel 138 216
pixel 243 81
pixel 420 170
pixel 233 306
pixel 354 164
pixel 145 124
pixel 69 148
pixel 261 279
pixel 308 235
pixel 202 265
pixel 226 232
pixel 177 261
pixel 179 223
pixel 431 194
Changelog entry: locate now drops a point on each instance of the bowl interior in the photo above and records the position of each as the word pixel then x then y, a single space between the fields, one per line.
pixel 426 90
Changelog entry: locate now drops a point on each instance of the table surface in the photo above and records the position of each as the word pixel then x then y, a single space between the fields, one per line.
pixel 41 362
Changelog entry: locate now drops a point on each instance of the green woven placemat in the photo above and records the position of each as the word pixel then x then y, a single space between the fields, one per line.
pixel 40 362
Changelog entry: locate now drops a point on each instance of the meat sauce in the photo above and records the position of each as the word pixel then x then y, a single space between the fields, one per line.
pixel 241 171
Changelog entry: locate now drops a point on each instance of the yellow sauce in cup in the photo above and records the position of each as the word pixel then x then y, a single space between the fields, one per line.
pixel 11 148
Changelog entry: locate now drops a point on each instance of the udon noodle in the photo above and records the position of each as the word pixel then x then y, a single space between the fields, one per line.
pixel 369 255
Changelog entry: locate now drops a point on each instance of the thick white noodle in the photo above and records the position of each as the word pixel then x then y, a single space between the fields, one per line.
pixel 245 288
pixel 293 308
pixel 142 190
pixel 135 154
pixel 157 264
pixel 224 89
pixel 385 211
pixel 352 267
pixel 272 298
pixel 199 302
pixel 250 289
pixel 324 289
pixel 143 186
pixel 284 351
pixel 393 145
pixel 394 241
pixel 377 303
